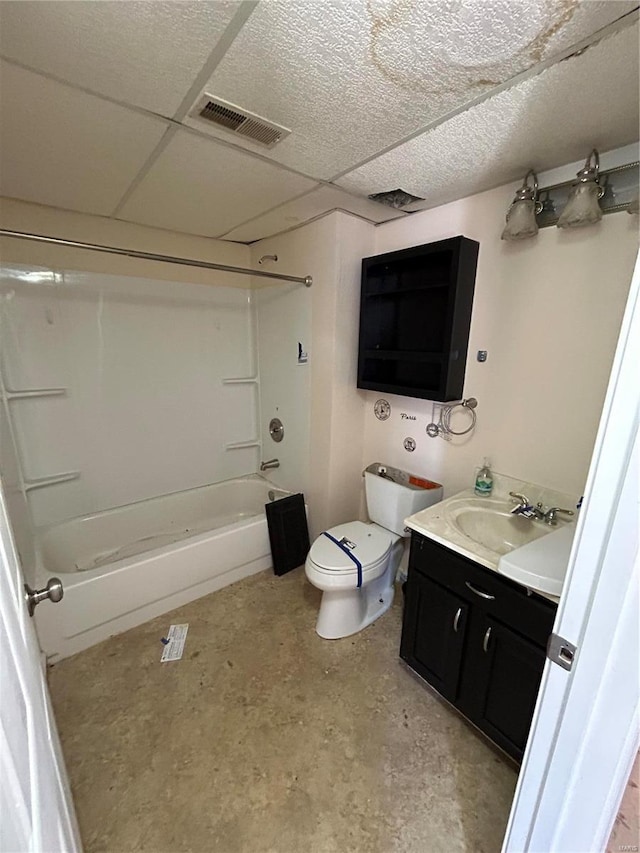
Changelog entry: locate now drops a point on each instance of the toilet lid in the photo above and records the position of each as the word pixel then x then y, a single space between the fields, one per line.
pixel 370 544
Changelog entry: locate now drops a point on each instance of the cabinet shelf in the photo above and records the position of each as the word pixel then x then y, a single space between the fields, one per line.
pixel 404 355
pixel 424 392
pixel 401 291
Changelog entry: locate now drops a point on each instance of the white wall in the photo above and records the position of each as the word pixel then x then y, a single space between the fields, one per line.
pixel 548 312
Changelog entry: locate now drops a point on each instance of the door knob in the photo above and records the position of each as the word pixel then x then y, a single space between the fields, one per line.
pixel 53 591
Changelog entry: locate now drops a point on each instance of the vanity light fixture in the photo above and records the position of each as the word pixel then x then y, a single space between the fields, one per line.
pixel 521 216
pixel 571 204
pixel 582 208
pixel 634 207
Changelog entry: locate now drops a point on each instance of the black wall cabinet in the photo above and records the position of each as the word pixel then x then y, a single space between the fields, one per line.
pixel 484 655
pixel 415 313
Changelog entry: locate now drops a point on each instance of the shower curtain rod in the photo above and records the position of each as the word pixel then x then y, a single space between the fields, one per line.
pixel 152 256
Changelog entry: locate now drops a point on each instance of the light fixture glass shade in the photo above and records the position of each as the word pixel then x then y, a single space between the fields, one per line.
pixel 521 221
pixel 582 206
pixel 521 216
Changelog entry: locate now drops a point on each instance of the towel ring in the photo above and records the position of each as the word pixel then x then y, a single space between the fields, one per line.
pixel 445 416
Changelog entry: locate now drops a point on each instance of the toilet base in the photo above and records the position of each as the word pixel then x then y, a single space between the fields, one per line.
pixel 345 612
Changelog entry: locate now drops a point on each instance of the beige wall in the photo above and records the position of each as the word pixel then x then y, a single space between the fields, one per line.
pixel 327 467
pixel 50 221
pixel 283 317
pixel 346 484
pixel 548 312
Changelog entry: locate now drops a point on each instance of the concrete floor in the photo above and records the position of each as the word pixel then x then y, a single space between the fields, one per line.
pixel 266 738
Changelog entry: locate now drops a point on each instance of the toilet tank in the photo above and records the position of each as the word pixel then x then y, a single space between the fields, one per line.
pixel 392 495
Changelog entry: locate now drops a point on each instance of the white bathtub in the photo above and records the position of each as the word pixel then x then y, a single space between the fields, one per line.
pixel 124 566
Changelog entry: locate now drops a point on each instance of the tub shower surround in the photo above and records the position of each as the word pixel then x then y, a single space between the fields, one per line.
pixel 131 412
pixel 136 562
pixel 116 387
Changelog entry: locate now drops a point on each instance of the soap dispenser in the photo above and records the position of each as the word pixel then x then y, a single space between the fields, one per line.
pixel 484 480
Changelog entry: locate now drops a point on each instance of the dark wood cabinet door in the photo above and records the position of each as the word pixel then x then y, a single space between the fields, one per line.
pixel 491 666
pixel 504 670
pixel 433 632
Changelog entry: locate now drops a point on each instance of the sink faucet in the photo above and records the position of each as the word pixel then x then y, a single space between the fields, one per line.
pixel 549 515
pixel 271 463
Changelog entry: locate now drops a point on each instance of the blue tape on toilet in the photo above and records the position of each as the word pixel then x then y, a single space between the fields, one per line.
pixel 349 554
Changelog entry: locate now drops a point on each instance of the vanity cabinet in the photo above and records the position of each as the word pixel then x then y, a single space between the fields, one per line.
pixel 478 638
pixel 415 313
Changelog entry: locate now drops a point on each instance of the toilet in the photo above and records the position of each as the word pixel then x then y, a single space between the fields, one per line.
pixel 355 564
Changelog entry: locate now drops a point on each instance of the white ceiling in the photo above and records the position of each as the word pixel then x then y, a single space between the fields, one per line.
pixel 442 98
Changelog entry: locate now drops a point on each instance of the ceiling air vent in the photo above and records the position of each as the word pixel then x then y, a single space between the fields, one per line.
pixel 395 198
pixel 239 121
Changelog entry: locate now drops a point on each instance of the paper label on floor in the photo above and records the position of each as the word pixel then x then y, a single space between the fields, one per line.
pixel 173 650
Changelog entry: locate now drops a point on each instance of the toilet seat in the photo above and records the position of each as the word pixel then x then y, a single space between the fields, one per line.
pixel 369 543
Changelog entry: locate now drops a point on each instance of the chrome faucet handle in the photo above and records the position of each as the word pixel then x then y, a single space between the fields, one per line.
pixel 550 515
pixel 523 500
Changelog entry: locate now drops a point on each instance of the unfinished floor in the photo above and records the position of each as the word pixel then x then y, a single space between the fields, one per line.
pixel 266 738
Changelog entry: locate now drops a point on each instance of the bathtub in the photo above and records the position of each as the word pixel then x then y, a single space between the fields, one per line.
pixel 124 566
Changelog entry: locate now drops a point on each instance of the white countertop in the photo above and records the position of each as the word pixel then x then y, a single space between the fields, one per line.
pixel 541 564
pixel 436 523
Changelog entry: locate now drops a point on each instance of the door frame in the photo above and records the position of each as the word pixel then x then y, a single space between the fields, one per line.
pixel 585 730
pixel 584 735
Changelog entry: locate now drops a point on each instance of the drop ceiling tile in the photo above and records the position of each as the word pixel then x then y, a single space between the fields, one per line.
pixel 146 54
pixel 321 200
pixel 351 78
pixel 554 118
pixel 201 187
pixel 61 147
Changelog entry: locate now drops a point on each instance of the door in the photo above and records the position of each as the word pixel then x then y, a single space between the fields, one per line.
pixel 433 633
pixel 585 731
pixel 36 810
pixel 509 669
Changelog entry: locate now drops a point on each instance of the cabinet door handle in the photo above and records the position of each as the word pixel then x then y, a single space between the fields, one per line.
pixel 456 619
pixel 479 592
pixel 485 642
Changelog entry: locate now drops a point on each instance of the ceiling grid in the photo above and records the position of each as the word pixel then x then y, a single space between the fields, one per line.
pixel 442 99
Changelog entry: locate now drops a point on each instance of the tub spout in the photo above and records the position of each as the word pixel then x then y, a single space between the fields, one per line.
pixel 271 463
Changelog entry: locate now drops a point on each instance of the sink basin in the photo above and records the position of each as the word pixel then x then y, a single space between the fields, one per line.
pixel 483 529
pixel 494 528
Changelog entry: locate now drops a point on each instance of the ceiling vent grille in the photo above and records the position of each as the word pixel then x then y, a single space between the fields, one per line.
pixel 239 121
